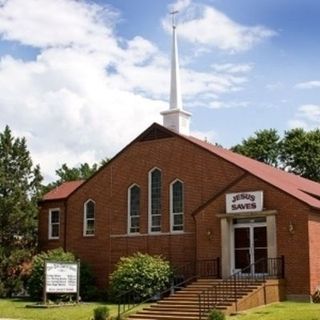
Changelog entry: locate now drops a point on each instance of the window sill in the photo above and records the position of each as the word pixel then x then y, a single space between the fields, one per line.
pixel 128 235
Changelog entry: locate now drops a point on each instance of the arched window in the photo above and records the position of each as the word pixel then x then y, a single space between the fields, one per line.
pixel 176 205
pixel 134 209
pixel 155 200
pixel 89 218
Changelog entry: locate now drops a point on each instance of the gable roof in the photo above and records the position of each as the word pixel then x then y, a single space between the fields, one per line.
pixel 300 188
pixel 63 191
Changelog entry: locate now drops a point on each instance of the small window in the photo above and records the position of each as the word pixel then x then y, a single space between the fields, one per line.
pixel 176 205
pixel 89 218
pixel 155 201
pixel 134 209
pixel 54 223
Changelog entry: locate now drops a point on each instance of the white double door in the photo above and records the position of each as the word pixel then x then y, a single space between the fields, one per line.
pixel 249 246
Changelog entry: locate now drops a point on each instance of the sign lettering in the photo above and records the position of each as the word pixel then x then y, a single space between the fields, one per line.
pixel 244 202
pixel 61 277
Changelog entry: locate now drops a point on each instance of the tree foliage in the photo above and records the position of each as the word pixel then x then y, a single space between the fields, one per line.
pixel 145 274
pixel 298 151
pixel 81 172
pixel 263 146
pixel 20 185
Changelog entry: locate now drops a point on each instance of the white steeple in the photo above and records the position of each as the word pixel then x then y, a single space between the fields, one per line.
pixel 176 118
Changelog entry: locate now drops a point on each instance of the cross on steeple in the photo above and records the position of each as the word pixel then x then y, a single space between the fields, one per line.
pixel 173 14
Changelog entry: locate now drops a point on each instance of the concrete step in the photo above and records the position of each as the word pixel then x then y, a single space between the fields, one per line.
pixel 164 316
pixel 184 303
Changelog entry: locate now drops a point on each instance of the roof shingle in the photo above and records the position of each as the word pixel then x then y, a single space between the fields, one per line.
pixel 62 191
pixel 300 188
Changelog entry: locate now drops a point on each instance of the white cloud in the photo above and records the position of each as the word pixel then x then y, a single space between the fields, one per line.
pixel 72 120
pixel 180 5
pixel 232 68
pixel 63 23
pixel 87 93
pixel 228 104
pixel 204 25
pixel 209 136
pixel 307 117
pixel 308 84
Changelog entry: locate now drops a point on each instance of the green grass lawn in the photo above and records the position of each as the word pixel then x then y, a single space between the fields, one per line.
pixel 282 311
pixel 16 309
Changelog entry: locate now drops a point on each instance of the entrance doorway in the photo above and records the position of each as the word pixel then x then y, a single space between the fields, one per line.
pixel 250 245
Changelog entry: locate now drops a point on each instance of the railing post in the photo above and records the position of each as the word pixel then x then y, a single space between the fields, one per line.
pixel 235 294
pixel 199 301
pixel 196 272
pixel 282 267
pixel 218 267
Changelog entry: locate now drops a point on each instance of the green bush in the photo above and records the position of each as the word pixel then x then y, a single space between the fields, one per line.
pixel 316 296
pixel 146 275
pixel 215 314
pixel 35 281
pixel 12 272
pixel 101 313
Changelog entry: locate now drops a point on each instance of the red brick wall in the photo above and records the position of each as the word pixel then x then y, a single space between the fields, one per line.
pixel 203 175
pixel 43 225
pixel 294 247
pixel 314 251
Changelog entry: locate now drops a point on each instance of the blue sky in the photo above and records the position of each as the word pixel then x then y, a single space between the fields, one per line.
pixel 80 79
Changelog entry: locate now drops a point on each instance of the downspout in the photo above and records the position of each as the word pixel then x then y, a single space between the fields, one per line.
pixel 65 202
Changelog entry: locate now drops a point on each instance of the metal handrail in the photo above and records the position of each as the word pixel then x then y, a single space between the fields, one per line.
pixel 227 290
pixel 186 273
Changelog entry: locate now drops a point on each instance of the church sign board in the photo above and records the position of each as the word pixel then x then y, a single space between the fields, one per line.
pixel 251 201
pixel 61 277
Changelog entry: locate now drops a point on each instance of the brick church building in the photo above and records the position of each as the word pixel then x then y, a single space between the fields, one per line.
pixel 172 194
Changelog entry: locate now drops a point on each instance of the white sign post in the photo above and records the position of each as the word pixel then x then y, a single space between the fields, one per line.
pixel 61 277
pixel 251 201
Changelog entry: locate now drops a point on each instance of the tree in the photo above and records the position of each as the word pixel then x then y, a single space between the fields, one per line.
pixel 264 146
pixel 82 172
pixel 20 185
pixel 298 151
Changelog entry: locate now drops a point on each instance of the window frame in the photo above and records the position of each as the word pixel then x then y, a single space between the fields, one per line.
pixel 129 209
pixel 85 219
pixel 172 214
pixel 150 201
pixel 50 224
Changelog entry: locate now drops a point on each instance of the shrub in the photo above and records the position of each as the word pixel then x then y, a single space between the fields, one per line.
pixel 145 274
pixel 100 313
pixel 35 281
pixel 215 314
pixel 316 296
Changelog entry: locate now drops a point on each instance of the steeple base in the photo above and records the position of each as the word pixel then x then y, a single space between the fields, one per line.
pixel 177 120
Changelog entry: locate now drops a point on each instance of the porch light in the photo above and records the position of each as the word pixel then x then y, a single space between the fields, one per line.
pixel 291 227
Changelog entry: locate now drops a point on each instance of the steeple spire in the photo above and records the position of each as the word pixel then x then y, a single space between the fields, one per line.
pixel 176 118
pixel 175 90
